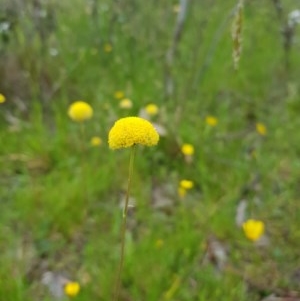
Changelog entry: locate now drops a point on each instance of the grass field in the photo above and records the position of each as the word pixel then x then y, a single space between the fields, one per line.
pixel 61 197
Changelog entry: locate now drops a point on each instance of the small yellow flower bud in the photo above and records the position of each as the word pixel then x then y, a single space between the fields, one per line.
pixel 119 94
pixel 186 184
pixel 261 129
pixel 96 141
pixel 253 229
pixel 151 109
pixel 125 103
pixel 187 149
pixel 80 111
pixel 72 289
pixel 211 120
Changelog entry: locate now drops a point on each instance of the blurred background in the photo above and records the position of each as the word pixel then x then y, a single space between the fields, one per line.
pixel 220 82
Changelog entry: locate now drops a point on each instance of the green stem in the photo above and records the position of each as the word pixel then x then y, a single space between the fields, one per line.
pixel 84 176
pixel 82 137
pixel 124 224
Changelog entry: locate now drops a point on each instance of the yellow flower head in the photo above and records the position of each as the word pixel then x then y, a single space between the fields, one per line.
pixel 96 141
pixel 211 120
pixel 151 109
pixel 80 111
pixel 107 47
pixel 125 103
pixel 187 149
pixel 2 98
pixel 261 129
pixel 186 184
pixel 132 130
pixel 119 94
pixel 253 229
pixel 72 289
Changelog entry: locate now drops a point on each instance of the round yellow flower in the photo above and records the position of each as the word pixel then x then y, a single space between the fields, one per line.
pixel 119 94
pixel 132 130
pixel 125 103
pixel 2 98
pixel 253 229
pixel 72 289
pixel 186 184
pixel 80 111
pixel 151 109
pixel 187 149
pixel 96 141
pixel 211 120
pixel 261 129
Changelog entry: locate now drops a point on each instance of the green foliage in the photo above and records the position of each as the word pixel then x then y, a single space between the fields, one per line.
pixel 60 197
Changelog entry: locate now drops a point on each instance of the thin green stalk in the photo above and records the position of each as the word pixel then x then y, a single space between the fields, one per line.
pixel 124 224
pixel 83 140
pixel 84 175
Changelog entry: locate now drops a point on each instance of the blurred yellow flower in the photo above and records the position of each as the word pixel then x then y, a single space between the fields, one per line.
pixel 107 47
pixel 132 130
pixel 159 243
pixel 211 120
pixel 2 98
pixel 151 109
pixel 261 129
pixel 119 94
pixel 80 111
pixel 96 141
pixel 186 184
pixel 125 103
pixel 253 229
pixel 72 289
pixel 187 149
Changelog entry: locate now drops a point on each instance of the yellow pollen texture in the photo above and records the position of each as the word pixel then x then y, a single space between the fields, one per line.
pixel 132 130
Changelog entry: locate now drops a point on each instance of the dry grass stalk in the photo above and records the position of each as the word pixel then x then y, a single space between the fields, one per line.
pixel 236 33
